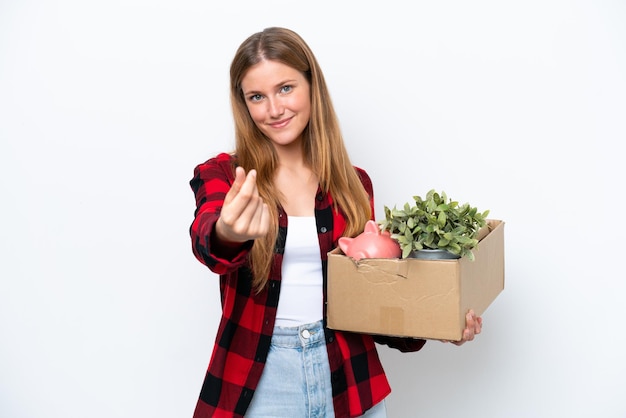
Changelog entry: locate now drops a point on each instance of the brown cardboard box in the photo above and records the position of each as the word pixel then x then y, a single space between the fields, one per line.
pixel 415 298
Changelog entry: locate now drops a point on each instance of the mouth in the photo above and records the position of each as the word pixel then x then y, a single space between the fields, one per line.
pixel 280 124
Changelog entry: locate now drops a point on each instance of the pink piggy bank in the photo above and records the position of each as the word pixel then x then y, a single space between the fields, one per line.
pixel 371 243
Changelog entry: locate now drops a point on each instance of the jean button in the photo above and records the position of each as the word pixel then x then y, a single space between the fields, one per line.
pixel 306 333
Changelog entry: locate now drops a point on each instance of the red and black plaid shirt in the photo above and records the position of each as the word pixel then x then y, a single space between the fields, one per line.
pixel 245 330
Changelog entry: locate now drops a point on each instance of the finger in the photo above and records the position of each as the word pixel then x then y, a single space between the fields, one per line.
pixel 249 189
pixel 249 195
pixel 249 219
pixel 239 197
pixel 458 343
pixel 259 225
pixel 240 176
pixel 470 320
pixel 474 322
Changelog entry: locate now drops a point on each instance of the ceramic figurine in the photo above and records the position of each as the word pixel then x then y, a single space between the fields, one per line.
pixel 371 243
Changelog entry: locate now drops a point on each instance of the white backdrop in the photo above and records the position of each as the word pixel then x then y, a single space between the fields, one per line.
pixel 107 106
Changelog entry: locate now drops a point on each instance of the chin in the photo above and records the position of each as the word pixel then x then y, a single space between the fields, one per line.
pixel 284 142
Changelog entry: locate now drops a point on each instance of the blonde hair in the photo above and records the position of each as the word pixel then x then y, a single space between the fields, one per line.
pixel 323 144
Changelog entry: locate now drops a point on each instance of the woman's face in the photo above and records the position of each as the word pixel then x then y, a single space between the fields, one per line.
pixel 279 101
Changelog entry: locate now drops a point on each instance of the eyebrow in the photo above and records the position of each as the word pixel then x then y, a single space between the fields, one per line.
pixel 282 83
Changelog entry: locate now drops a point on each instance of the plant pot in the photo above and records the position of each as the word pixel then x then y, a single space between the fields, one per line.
pixel 430 254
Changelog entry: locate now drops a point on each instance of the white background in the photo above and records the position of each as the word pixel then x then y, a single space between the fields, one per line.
pixel 107 106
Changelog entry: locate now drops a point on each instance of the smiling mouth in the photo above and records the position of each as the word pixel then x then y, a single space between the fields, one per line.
pixel 280 123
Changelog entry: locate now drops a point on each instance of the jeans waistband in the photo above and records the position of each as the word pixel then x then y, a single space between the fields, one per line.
pixel 300 336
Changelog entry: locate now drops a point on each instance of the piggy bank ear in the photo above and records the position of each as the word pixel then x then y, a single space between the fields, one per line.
pixel 372 226
pixel 344 244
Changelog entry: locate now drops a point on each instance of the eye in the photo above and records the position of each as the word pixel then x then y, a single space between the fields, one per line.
pixel 286 89
pixel 255 98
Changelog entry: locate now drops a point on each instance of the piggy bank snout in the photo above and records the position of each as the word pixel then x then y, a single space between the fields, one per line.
pixel 370 244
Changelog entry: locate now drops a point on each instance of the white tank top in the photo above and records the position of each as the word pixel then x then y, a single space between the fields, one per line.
pixel 301 299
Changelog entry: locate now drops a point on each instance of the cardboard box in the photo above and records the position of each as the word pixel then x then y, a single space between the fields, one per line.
pixel 415 298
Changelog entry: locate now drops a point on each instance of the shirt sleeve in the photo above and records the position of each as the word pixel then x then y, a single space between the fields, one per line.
pixel 405 345
pixel 211 182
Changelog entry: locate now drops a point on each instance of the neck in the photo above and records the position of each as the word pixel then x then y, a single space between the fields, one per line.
pixel 297 185
pixel 291 156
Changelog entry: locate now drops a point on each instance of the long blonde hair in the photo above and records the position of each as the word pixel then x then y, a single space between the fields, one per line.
pixel 323 144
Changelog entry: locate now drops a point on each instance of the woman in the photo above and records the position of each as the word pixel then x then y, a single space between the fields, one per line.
pixel 267 215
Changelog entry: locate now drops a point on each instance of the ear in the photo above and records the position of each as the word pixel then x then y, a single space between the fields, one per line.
pixel 344 244
pixel 372 226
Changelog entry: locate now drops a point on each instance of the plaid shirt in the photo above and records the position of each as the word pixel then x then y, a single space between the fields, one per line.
pixel 245 330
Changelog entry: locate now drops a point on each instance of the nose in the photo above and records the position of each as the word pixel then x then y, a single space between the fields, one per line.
pixel 275 107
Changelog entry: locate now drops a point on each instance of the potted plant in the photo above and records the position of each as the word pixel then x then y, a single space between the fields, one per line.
pixel 435 223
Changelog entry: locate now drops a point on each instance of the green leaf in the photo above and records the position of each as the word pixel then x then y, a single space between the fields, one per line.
pixel 395 213
pixel 402 239
pixel 442 218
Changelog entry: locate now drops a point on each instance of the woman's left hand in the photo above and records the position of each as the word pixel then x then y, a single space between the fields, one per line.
pixel 473 327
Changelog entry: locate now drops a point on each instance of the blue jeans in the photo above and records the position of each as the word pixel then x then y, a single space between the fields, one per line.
pixel 296 378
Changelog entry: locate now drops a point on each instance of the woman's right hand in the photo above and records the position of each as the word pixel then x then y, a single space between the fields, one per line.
pixel 244 216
